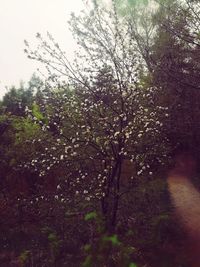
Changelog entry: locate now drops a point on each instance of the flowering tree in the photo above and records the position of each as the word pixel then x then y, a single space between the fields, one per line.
pixel 102 117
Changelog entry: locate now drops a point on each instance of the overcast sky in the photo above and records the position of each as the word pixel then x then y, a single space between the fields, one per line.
pixel 22 19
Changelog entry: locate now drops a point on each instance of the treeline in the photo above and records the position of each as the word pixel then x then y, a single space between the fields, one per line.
pixel 84 154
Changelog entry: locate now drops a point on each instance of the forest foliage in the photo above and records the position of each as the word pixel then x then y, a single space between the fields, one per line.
pixel 84 153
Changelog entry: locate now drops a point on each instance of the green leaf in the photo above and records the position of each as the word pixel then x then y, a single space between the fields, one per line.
pixel 37 113
pixel 90 216
pixel 52 237
pixel 87 247
pixel 132 265
pixel 24 256
pixel 113 239
pixel 88 261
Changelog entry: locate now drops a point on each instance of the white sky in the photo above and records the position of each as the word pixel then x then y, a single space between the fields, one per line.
pixel 22 19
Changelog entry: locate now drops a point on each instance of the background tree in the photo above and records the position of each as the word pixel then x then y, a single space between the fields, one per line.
pixel 175 56
pixel 17 100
